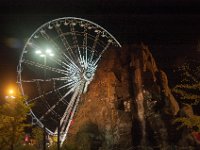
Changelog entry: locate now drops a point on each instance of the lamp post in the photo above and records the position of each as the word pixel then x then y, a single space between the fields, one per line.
pixel 44 54
pixel 44 137
pixel 58 140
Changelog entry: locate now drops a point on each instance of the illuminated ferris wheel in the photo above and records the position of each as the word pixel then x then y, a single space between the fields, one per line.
pixel 56 66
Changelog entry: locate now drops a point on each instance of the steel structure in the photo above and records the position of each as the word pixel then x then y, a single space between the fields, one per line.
pixel 56 66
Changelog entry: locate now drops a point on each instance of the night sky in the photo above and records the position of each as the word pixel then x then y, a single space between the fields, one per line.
pixel 171 29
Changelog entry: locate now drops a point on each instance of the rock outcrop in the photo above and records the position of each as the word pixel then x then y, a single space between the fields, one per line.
pixel 128 104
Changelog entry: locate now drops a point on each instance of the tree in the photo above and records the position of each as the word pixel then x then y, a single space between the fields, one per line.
pixel 187 91
pixel 188 88
pixel 13 114
pixel 191 122
pixel 37 133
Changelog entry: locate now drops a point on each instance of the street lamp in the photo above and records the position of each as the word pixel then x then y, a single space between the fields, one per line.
pixel 42 53
pixel 10 94
pixel 11 91
pixel 45 53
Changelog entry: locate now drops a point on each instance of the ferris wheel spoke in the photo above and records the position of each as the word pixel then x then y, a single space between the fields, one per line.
pixel 65 42
pixel 68 111
pixel 85 49
pixel 57 48
pixel 93 46
pixel 57 61
pixel 39 65
pixel 71 67
pixel 92 37
pixel 75 42
pixel 85 38
pixel 65 63
pixel 54 106
pixel 47 93
pixel 66 59
pixel 80 58
pixel 101 53
pixel 49 39
pixel 69 119
pixel 95 41
pixel 72 62
pixel 40 91
pixel 72 84
pixel 105 48
pixel 74 38
pixel 47 80
pixel 33 45
pixel 85 58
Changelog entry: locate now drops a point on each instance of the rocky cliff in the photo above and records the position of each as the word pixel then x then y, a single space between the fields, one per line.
pixel 129 105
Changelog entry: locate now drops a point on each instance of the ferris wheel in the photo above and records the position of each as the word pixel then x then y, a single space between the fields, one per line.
pixel 56 66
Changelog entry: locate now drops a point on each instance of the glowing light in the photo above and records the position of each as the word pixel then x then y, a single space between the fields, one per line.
pixel 73 23
pixel 57 24
pixel 50 27
pixel 38 52
pixel 66 23
pixel 42 55
pixel 11 91
pixel 51 54
pixel 48 51
pixel 10 94
pixel 89 27
pixel 103 35
pixel 82 25
pixel 110 40
pixel 96 31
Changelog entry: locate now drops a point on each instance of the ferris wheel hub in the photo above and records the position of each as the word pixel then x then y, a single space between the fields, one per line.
pixel 88 76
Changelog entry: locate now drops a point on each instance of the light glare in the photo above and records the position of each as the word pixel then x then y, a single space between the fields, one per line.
pixel 42 55
pixel 38 52
pixel 48 51
pixel 10 91
pixel 51 54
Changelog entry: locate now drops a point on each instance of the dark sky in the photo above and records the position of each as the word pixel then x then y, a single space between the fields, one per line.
pixel 171 28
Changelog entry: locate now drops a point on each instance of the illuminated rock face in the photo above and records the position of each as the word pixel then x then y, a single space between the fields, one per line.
pixel 128 104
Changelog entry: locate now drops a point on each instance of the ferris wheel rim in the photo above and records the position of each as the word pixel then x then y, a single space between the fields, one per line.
pixel 75 18
pixel 20 69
